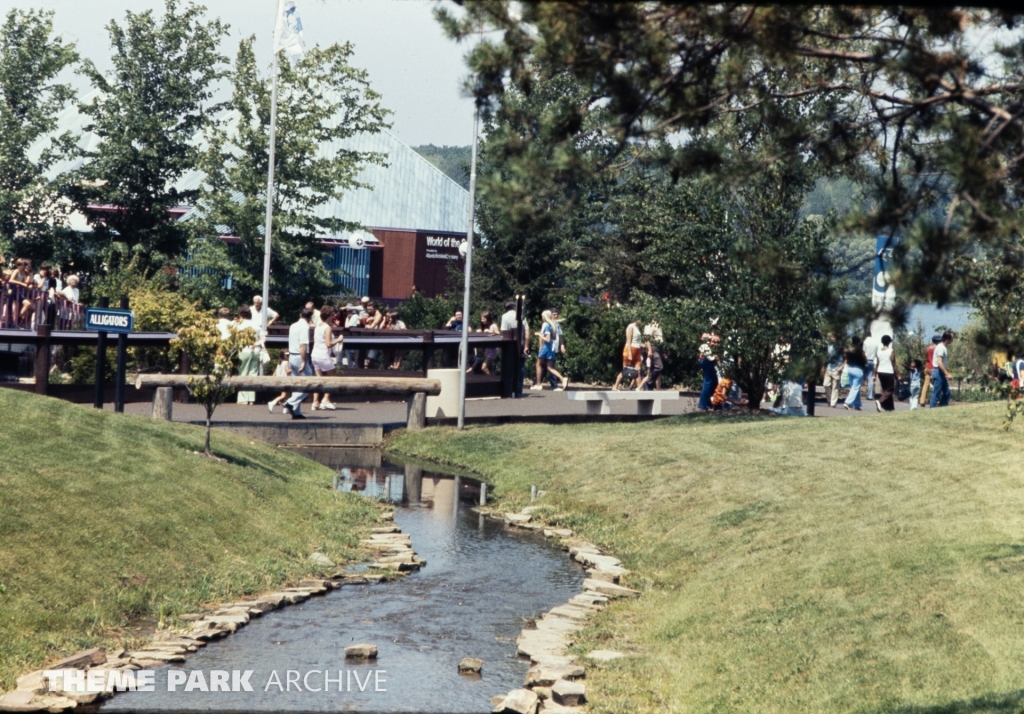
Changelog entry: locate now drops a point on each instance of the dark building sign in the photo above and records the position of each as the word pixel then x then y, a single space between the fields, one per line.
pixel 442 247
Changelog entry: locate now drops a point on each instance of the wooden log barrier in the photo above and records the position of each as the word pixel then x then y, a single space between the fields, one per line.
pixel 363 386
pixel 414 390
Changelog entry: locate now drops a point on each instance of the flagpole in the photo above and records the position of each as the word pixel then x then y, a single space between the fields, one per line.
pixel 270 191
pixel 464 357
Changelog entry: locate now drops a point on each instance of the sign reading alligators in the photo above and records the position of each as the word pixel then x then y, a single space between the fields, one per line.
pixel 103 319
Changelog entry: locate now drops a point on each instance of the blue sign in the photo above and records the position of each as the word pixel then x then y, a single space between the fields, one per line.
pixel 103 319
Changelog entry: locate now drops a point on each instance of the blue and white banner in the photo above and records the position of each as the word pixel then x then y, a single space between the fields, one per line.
pixel 288 31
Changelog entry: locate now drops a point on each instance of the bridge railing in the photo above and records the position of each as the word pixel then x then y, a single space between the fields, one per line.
pixel 58 312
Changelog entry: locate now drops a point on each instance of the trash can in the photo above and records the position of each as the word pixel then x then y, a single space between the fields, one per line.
pixel 445 404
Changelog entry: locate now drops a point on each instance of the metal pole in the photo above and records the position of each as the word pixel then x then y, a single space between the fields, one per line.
pixel 101 361
pixel 268 225
pixel 122 358
pixel 464 359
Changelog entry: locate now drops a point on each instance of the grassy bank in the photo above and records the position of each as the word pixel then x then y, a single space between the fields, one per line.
pixel 869 564
pixel 106 517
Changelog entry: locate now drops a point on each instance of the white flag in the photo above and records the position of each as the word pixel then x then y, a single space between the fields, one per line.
pixel 288 31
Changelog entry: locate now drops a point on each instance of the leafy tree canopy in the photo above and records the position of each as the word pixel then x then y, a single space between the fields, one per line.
pixel 902 98
pixel 146 114
pixel 322 102
pixel 30 99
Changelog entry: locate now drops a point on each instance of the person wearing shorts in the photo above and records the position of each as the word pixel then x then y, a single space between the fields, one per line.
pixel 323 355
pixel 631 353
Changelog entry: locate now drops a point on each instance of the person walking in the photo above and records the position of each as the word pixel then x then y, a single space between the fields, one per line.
pixel 558 347
pixel 915 383
pixel 298 360
pixel 631 355
pixel 708 363
pixel 885 368
pixel 323 354
pixel 870 346
pixel 929 354
pixel 508 330
pixel 248 358
pixel 282 370
pixel 546 353
pixel 940 372
pixel 856 360
pixel 833 371
pixel 655 359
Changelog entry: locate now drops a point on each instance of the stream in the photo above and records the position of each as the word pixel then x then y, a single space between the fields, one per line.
pixel 470 600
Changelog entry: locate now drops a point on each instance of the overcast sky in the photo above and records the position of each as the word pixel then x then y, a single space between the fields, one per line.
pixel 417 70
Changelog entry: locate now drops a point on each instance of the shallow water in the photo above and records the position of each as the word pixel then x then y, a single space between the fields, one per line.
pixel 479 583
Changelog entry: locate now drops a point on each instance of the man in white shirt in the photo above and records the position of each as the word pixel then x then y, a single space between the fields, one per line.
pixel 298 360
pixel 257 312
pixel 870 346
pixel 940 372
pixel 508 323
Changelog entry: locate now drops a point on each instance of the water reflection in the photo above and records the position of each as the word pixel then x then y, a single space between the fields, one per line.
pixel 480 582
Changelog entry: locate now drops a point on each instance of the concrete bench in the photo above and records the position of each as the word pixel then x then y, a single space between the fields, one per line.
pixel 600 402
pixel 414 391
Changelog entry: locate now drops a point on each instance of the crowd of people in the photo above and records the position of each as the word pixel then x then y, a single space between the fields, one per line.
pixel 22 288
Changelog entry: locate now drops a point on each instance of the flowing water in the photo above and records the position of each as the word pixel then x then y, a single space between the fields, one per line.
pixel 480 582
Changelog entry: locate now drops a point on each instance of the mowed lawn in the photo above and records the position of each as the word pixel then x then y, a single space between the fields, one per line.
pixel 106 517
pixel 871 564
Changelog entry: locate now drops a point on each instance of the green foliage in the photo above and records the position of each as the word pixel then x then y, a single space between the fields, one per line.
pixel 453 161
pixel 907 101
pixel 533 222
pixel 31 59
pixel 423 313
pixel 593 342
pixel 146 114
pixel 211 360
pixel 322 101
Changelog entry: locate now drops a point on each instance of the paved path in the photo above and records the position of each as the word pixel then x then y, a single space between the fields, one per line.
pixel 545 403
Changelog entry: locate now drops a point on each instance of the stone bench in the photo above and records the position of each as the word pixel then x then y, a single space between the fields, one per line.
pixel 600 402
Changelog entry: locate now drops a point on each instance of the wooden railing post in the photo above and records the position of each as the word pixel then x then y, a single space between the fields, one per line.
pixel 416 418
pixel 163 403
pixel 42 367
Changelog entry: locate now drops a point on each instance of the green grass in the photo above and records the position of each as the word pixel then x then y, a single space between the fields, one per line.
pixel 870 564
pixel 106 517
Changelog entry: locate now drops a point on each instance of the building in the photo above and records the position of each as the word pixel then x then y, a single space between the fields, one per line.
pixel 415 214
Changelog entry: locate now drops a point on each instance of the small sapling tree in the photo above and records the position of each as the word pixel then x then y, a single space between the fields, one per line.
pixel 211 360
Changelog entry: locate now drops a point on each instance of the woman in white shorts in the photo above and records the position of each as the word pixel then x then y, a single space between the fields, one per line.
pixel 322 356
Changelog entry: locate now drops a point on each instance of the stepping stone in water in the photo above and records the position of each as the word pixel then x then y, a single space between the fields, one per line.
pixel 361 651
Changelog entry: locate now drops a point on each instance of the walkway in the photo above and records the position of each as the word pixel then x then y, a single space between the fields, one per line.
pixel 532 404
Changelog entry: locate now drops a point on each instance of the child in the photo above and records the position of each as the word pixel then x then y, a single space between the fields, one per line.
pixel 915 382
pixel 283 370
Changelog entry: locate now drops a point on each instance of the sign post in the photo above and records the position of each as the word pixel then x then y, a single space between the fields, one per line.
pixel 121 322
pixel 101 360
pixel 122 358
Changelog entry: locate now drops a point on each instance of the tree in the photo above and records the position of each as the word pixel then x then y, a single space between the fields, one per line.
pixel 147 114
pixel 532 229
pixel 30 99
pixel 453 161
pixel 322 103
pixel 740 262
pixel 211 361
pixel 900 96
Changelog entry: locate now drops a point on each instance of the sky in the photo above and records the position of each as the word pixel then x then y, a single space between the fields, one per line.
pixel 418 71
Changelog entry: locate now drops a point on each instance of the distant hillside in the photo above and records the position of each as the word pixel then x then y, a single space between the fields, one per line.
pixel 453 160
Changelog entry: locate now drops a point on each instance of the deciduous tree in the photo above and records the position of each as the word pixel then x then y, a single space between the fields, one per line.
pixel 31 58
pixel 323 101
